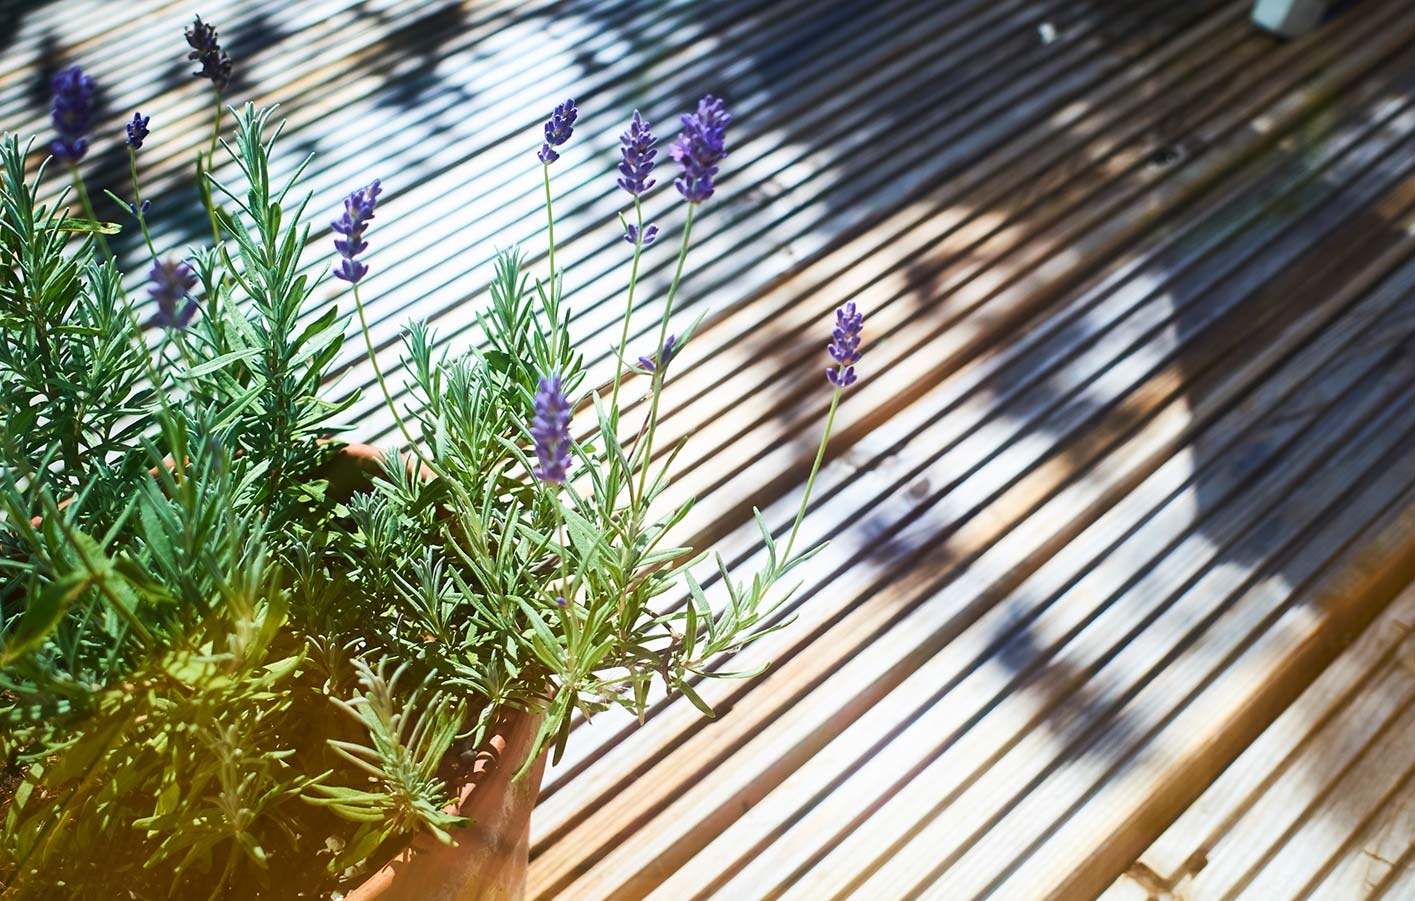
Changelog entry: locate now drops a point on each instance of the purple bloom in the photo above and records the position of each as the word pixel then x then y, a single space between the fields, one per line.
pixel 358 210
pixel 137 131
pixel 700 147
pixel 632 234
pixel 70 111
pixel 550 430
pixel 146 205
pixel 558 130
pixel 638 151
pixel 215 65
pixel 844 347
pixel 668 352
pixel 171 281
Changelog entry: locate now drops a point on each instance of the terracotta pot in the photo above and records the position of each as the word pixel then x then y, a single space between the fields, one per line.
pixel 491 854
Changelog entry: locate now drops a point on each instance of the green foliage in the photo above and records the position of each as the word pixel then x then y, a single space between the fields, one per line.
pixel 152 504
pixel 410 737
pixel 223 664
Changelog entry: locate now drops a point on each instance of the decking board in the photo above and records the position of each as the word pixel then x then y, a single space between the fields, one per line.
pixel 1131 461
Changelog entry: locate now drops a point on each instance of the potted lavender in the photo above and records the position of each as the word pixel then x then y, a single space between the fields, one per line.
pixel 241 657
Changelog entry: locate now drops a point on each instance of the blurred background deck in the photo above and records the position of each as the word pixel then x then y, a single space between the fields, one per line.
pixel 1120 513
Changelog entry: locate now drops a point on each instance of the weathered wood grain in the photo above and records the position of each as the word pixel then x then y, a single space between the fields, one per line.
pixel 1131 461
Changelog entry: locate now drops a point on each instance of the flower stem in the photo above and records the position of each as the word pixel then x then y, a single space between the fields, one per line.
pixel 203 185
pixel 215 129
pixel 651 421
pixel 628 313
pixel 378 372
pixel 811 480
pixel 550 227
pixel 137 203
pixel 88 209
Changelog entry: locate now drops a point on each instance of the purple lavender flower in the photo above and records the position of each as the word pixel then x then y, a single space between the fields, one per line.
pixel 558 130
pixel 550 430
pixel 668 352
pixel 70 111
pixel 844 347
pixel 137 131
pixel 171 281
pixel 215 65
pixel 638 150
pixel 631 234
pixel 700 147
pixel 146 205
pixel 358 210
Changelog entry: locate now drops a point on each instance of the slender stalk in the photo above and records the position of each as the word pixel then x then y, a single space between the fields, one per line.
pixel 203 186
pixel 137 203
pixel 628 313
pixel 215 129
pixel 815 470
pixel 564 572
pixel 88 208
pixel 567 612
pixel 651 421
pixel 175 335
pixel 550 227
pixel 382 384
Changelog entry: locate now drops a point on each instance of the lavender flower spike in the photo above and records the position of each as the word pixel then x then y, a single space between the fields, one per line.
pixel 358 210
pixel 70 111
pixel 215 65
pixel 637 149
pixel 844 347
pixel 170 283
pixel 550 430
pixel 137 131
pixel 558 130
pixel 699 149
pixel 631 234
pixel 650 363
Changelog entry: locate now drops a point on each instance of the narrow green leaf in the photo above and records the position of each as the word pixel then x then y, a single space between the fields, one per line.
pixel 42 616
pixel 688 692
pixel 89 226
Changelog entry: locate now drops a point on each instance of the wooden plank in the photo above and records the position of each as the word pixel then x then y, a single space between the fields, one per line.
pixel 1244 821
pixel 1026 746
pixel 812 379
pixel 1135 393
pixel 821 642
pixel 846 778
pixel 896 239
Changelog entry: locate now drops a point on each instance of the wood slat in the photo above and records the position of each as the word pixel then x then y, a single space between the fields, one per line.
pixel 1295 805
pixel 1129 465
pixel 648 777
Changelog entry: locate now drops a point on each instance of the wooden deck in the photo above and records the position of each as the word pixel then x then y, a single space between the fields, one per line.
pixel 1130 464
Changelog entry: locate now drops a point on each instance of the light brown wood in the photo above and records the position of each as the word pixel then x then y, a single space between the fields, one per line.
pixel 1128 466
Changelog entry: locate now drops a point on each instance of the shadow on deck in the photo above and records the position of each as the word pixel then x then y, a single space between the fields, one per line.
pixel 1136 404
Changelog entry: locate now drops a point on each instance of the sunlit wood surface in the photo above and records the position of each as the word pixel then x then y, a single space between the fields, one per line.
pixel 1132 457
pixel 1321 805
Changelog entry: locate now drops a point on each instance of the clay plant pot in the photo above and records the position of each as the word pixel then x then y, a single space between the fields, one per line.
pixel 489 859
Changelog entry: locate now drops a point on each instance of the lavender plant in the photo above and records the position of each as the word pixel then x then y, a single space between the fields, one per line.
pixel 227 668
